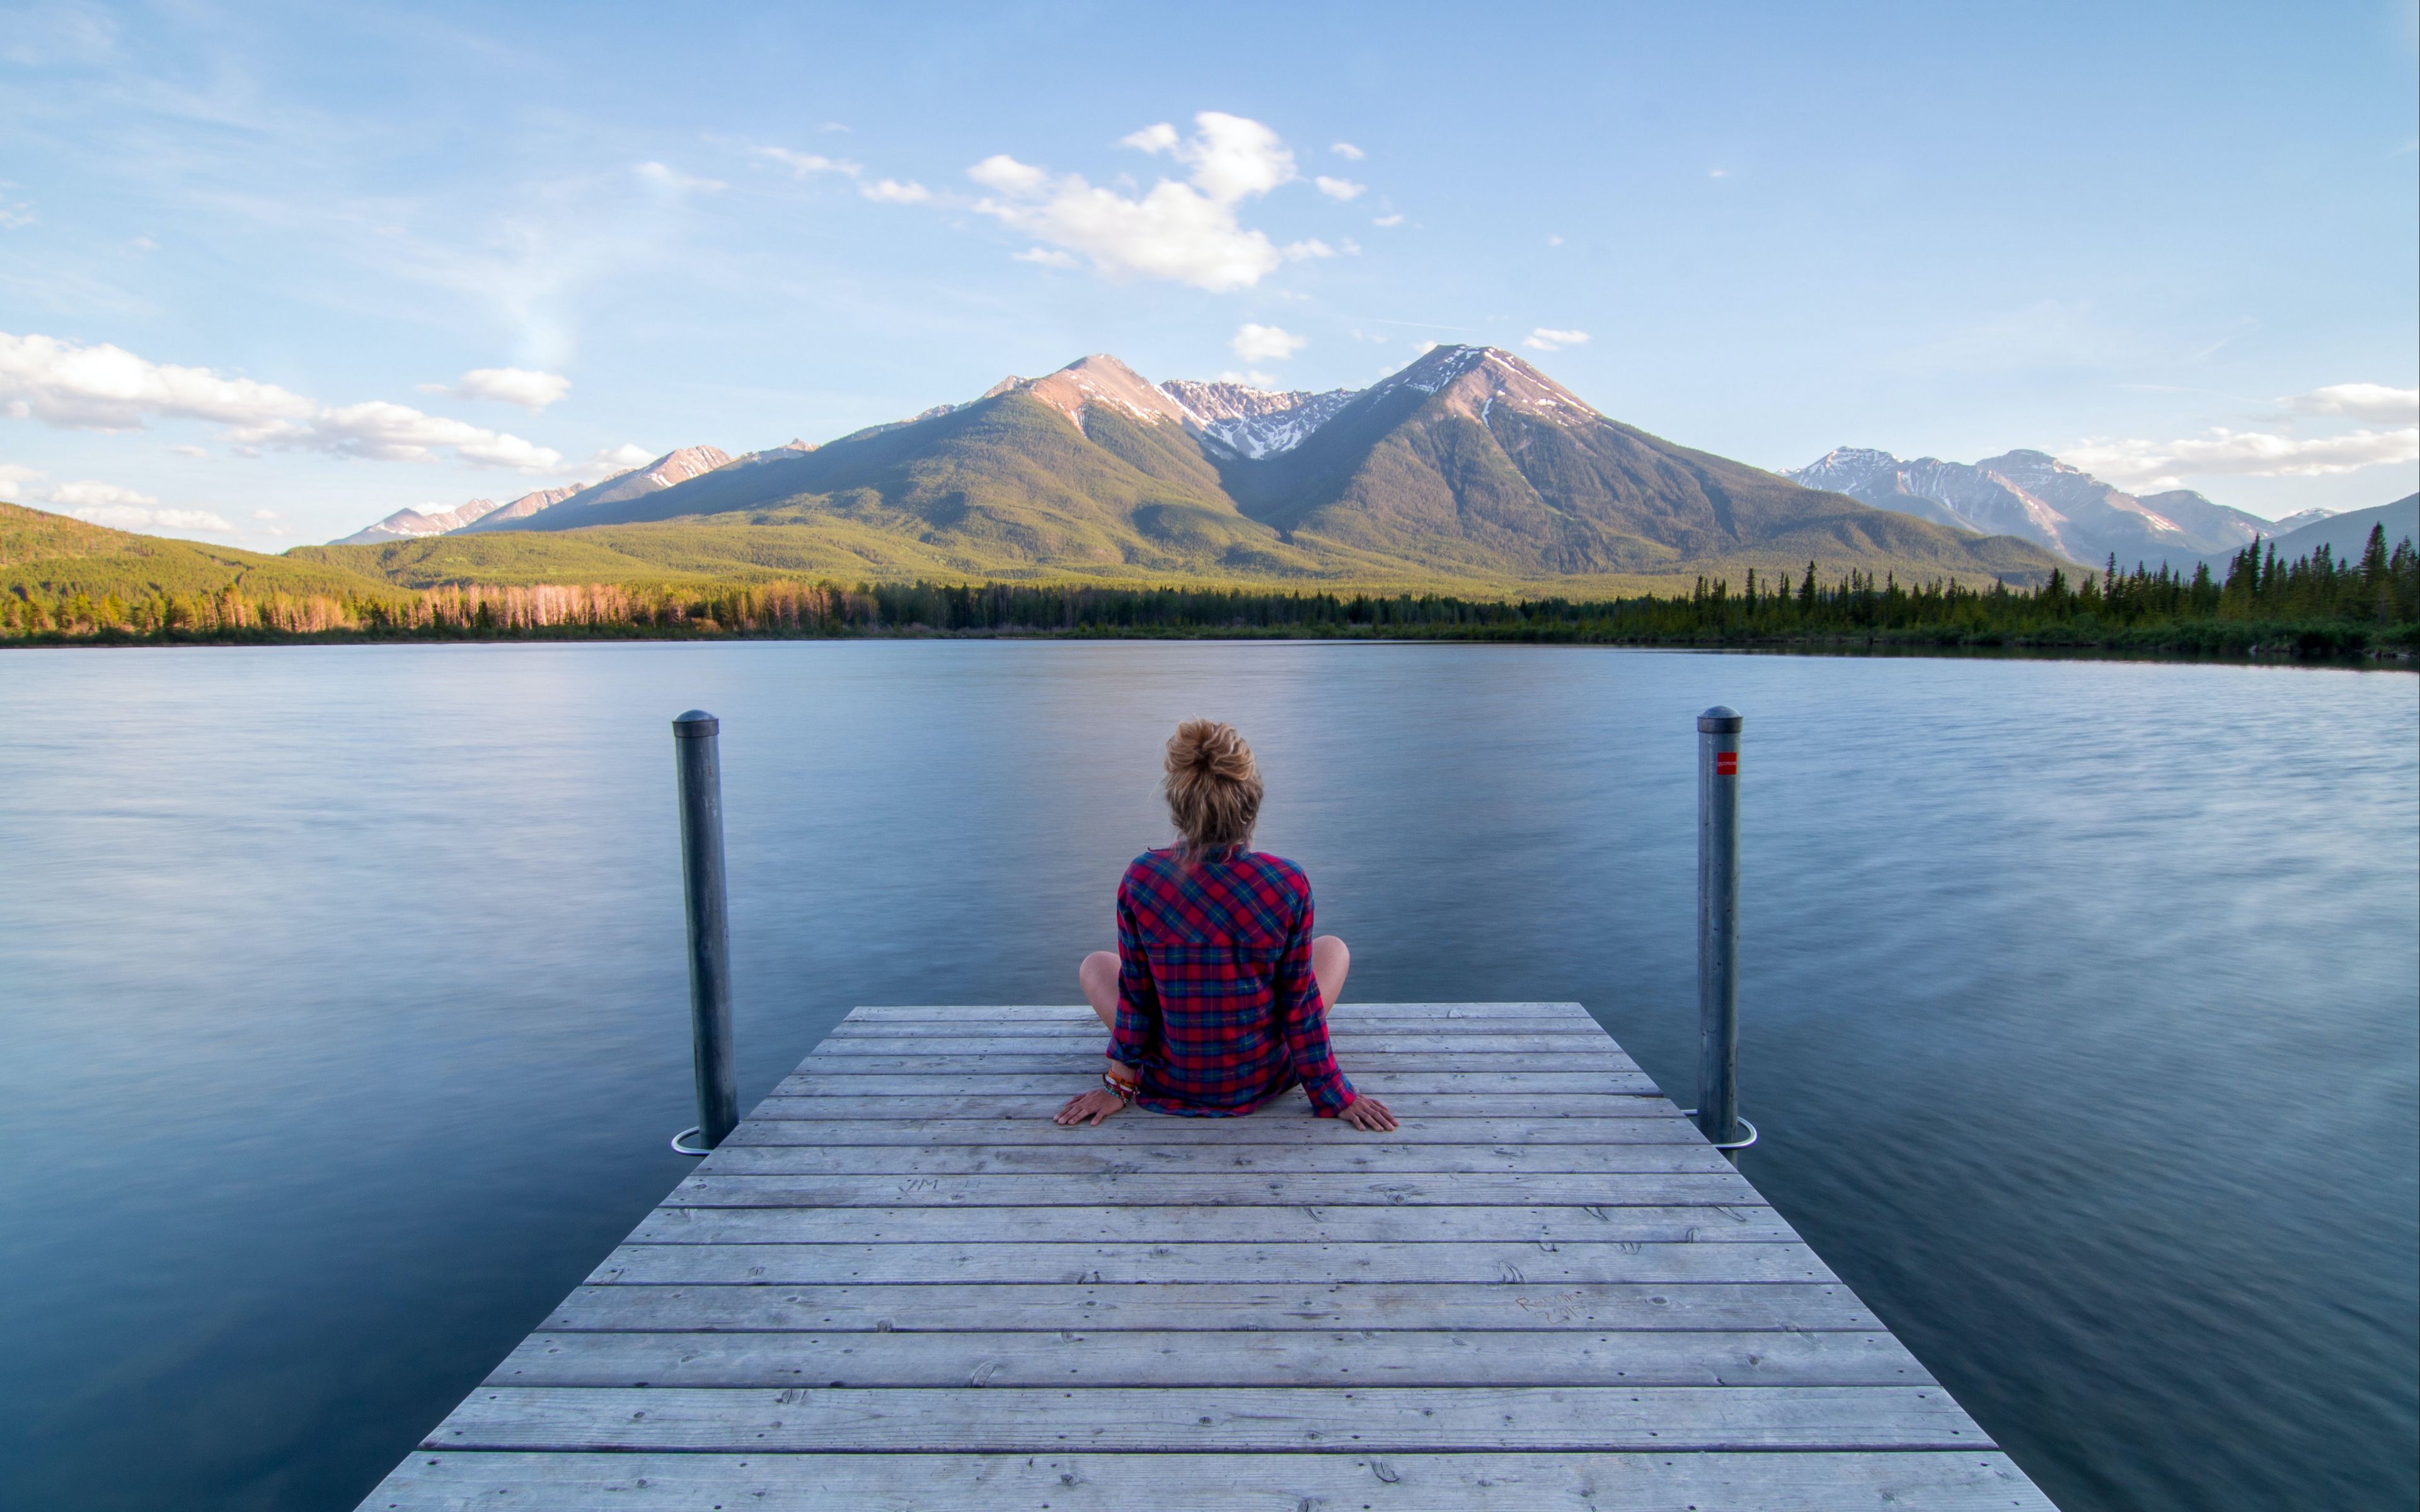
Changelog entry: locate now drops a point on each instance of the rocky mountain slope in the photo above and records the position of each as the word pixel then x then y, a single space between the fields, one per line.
pixel 1467 466
pixel 2036 497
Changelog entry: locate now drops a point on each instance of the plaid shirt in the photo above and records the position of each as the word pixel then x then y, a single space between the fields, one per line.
pixel 1217 1004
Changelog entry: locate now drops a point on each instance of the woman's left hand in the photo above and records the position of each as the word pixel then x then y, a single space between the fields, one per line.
pixel 1090 1107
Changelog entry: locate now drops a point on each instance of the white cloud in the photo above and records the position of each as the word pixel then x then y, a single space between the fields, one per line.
pixel 620 458
pixel 1185 232
pixel 190 450
pixel 807 164
pixel 84 497
pixel 532 391
pixel 107 503
pixel 135 517
pixel 1266 344
pixel 1047 257
pixel 1718 173
pixel 1340 187
pixel 1151 138
pixel 109 389
pixel 2373 402
pixel 1395 219
pixel 267 514
pixel 380 430
pixel 2141 464
pixel 1554 241
pixel 1545 340
pixel 1347 151
pixel 16 214
pixel 892 192
pixel 1252 379
pixel 673 179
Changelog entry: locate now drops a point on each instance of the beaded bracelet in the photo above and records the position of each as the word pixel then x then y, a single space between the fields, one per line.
pixel 1125 1091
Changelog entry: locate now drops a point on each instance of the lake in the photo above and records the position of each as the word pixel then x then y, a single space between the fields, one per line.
pixel 344 1010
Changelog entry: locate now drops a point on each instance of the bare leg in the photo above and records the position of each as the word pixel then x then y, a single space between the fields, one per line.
pixel 1329 962
pixel 1098 977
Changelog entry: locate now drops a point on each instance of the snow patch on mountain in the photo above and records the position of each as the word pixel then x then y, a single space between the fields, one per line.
pixel 1255 423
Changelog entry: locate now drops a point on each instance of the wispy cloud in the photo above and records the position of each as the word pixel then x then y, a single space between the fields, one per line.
pixel 1340 187
pixel 532 391
pixel 1395 219
pixel 106 388
pixel 1347 151
pixel 1545 340
pixel 2135 463
pixel 106 504
pixel 673 179
pixel 1187 231
pixel 808 164
pixel 2374 402
pixel 1266 344
pixel 894 192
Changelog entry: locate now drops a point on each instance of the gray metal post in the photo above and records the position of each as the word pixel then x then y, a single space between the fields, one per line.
pixel 694 742
pixel 1718 739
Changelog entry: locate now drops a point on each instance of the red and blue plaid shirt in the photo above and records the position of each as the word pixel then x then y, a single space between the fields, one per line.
pixel 1217 1004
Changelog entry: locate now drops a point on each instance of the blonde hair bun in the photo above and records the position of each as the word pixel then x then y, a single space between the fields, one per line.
pixel 1214 786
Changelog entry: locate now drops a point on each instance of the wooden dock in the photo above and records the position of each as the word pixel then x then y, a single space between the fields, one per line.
pixel 900 1286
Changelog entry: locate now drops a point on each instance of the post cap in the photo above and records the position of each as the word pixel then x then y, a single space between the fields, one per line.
pixel 1719 720
pixel 695 725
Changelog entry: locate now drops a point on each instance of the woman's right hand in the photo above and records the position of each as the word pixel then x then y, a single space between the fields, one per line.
pixel 1090 1107
pixel 1369 1114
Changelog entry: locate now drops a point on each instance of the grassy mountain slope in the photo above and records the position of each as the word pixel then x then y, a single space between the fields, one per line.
pixel 1469 469
pixel 55 556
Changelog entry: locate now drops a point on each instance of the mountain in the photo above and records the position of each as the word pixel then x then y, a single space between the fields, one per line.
pixel 411 524
pixel 55 555
pixel 1468 463
pixel 573 503
pixel 1469 468
pixel 2036 497
pixel 2296 520
pixel 2345 535
pixel 1254 422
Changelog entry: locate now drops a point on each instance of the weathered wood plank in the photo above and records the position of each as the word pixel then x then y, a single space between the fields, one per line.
pixel 1239 1305
pixel 1651 1122
pixel 1349 1008
pixel 1544 1291
pixel 1402 1358
pixel 1226 1419
pixel 1533 1226
pixel 1087 1028
pixel 1623 1097
pixel 1960 1481
pixel 1591 1072
pixel 1010 1261
pixel 1070 1158
pixel 1315 1189
pixel 1595 1041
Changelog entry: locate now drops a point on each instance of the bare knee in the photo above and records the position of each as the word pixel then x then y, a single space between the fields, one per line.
pixel 1099 969
pixel 1329 962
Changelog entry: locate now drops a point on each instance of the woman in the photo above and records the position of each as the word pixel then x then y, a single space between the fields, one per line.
pixel 1216 998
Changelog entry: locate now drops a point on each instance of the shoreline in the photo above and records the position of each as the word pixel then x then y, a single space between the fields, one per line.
pixel 2223 643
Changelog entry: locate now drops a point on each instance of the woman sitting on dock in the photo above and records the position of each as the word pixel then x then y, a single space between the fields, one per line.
pixel 1216 998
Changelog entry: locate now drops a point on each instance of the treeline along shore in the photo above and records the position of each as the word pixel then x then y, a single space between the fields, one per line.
pixel 2314 607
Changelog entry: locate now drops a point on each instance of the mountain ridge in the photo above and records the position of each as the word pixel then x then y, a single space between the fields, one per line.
pixel 2034 496
pixel 1466 465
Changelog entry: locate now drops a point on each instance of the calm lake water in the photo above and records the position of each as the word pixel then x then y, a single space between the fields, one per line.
pixel 342 1007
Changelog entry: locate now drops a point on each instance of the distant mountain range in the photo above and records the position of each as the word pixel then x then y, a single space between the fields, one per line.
pixel 2035 497
pixel 1468 467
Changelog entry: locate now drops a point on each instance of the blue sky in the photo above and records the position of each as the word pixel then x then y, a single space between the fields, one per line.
pixel 267 273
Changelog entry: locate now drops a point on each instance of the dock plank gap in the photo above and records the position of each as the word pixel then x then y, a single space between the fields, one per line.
pixel 899 1286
